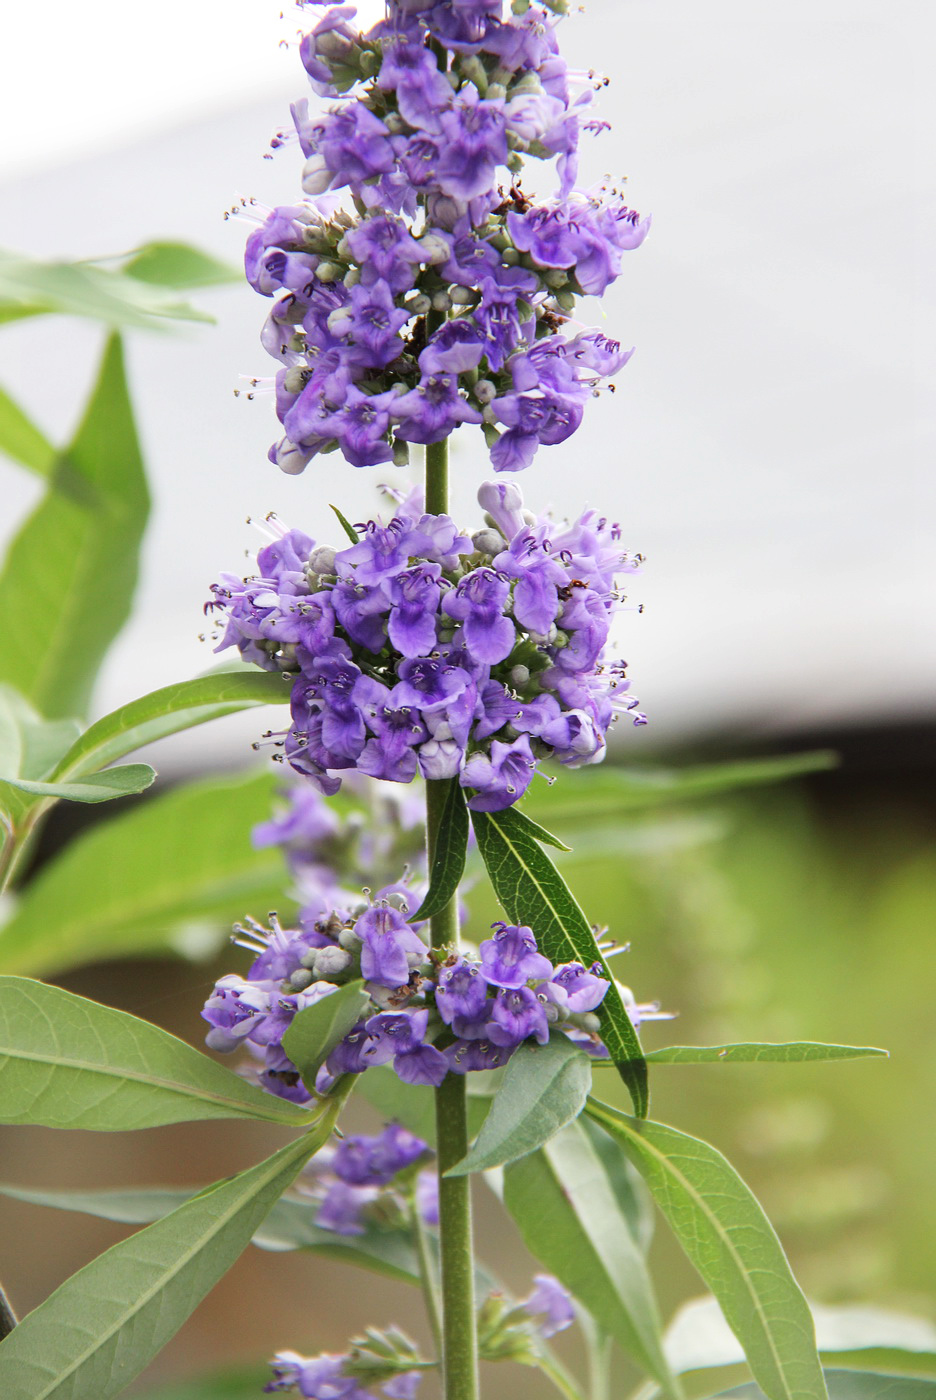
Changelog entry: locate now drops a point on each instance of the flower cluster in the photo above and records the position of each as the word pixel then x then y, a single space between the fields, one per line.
pixel 443 299
pixel 419 650
pixel 361 1180
pixel 505 1331
pixel 430 1012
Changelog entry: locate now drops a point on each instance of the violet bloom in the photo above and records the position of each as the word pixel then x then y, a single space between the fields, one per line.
pixel 410 70
pixel 584 991
pixel 455 347
pixel 342 1207
pixel 552 1302
pixel 532 421
pixel 385 250
pixel 332 43
pixel 511 958
pixel 432 410
pixel 516 1014
pixel 400 1037
pixel 428 683
pixel 415 594
pixel 466 1055
pixel 404 1386
pixel 539 575
pixel 427 1195
pixel 235 1010
pixel 354 144
pixel 461 992
pixel 360 426
pixel 382 551
pixel 390 948
pixel 502 778
pixel 473 144
pixel 371 322
pixel 478 602
pixel 318 1378
pixel 363 1160
pixel 391 753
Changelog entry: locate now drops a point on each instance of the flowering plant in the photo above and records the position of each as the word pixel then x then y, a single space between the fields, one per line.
pixel 417 288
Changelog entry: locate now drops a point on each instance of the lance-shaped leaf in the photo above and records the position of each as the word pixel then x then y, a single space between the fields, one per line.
pixel 22 440
pixel 179 265
pixel 29 287
pixel 853 1385
pixel 448 861
pixel 180 864
pixel 539 833
pixel 533 892
pixel 544 1088
pixel 346 525
pixel 751 1052
pixel 107 1322
pixel 290 1225
pixel 570 1220
pixel 315 1031
pixel 166 711
pixel 30 746
pixel 729 1239
pixel 67 1062
pixel 69 577
pixel 413 1105
pixel 123 781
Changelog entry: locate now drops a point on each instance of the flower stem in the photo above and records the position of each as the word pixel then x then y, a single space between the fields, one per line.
pixel 427 1275
pixel 459 1329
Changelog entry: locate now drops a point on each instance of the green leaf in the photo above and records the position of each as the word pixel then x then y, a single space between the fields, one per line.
pixel 218 1385
pixel 124 781
pixel 568 1216
pixel 451 845
pixel 729 1239
pixel 290 1225
pixel 174 867
pixel 544 1088
pixel 179 265
pixel 853 1385
pixel 29 287
pixel 413 1105
pixel 533 892
pixel 22 440
pixel 67 1062
pixel 627 1185
pixel 166 711
pixel 587 795
pixel 29 748
pixel 106 1323
pixel 795 1052
pixel 70 573
pixel 315 1031
pixel 346 525
pixel 699 1338
pixel 539 833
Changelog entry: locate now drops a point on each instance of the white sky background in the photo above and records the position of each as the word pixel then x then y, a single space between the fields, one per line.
pixel 769 447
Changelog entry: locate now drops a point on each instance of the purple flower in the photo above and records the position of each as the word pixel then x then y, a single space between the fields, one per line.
pixel 427 1195
pixel 362 611
pixel 501 778
pixel 235 1010
pixel 532 421
pixel 455 347
pixel 400 1037
pixel 415 595
pixel 478 603
pixel 466 1055
pixel 332 43
pixel 342 1207
pixel 516 1014
pixel 360 425
pixel 551 1301
pixel 371 322
pixel 390 947
pixel 404 1386
pixel 584 991
pixel 539 575
pixel 318 1378
pixel 511 958
pixel 473 143
pixel 374 1161
pixel 354 146
pixel 385 251
pixel 461 992
pixel 410 69
pixel 391 754
pixel 432 410
pixel 428 683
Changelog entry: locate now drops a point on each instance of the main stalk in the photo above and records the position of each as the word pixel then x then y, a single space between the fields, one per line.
pixel 459 1333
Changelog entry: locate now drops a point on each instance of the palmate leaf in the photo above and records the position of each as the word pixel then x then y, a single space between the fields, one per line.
pixel 448 861
pixel 729 1239
pixel 290 1225
pixel 544 1088
pixel 181 862
pixel 70 573
pixel 106 1323
pixel 67 1062
pixel 533 892
pixel 571 1221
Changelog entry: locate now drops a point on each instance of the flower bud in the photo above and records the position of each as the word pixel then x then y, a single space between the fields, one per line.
pixel 487 541
pixel 322 560
pixel 485 391
pixel 330 962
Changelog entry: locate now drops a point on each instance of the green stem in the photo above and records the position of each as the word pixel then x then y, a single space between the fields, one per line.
pixel 550 1367
pixel 459 1328
pixel 428 1275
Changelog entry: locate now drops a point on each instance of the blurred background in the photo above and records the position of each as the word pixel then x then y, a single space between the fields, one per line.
pixel 767 450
